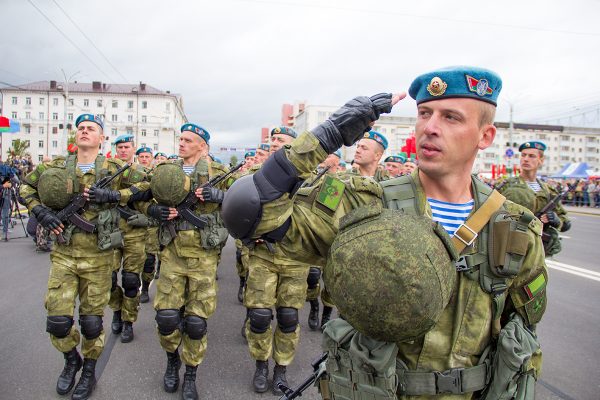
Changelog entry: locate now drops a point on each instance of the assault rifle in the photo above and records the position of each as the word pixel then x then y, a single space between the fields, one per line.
pixel 72 212
pixel 318 371
pixel 186 208
pixel 552 204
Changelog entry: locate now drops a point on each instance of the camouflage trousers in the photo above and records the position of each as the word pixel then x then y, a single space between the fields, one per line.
pixel 272 284
pixel 131 258
pixel 88 278
pixel 313 293
pixel 189 282
pixel 241 259
pixel 152 247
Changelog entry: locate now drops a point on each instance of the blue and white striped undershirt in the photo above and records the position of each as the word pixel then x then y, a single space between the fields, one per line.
pixel 188 169
pixel 85 167
pixel 535 186
pixel 450 215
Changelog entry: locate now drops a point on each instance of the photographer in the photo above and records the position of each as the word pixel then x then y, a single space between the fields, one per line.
pixel 6 175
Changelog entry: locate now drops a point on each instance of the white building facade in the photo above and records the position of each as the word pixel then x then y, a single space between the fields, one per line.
pixel 151 115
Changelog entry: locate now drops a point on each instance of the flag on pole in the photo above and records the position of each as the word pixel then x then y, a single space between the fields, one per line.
pixel 4 124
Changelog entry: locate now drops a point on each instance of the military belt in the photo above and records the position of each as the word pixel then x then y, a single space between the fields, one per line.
pixel 454 381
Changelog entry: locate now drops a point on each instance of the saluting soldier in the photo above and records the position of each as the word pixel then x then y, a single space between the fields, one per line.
pixel 82 261
pixel 369 150
pixel 418 319
pixel 186 291
pixel 531 192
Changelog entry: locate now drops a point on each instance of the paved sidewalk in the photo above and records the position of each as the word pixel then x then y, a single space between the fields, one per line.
pixel 582 210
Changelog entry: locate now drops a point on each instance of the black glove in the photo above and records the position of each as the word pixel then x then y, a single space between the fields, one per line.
pixel 46 217
pixel 158 212
pixel 553 219
pixel 212 194
pixel 348 124
pixel 98 195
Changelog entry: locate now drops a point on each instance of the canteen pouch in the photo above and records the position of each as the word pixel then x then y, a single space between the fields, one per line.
pixel 109 234
pixel 513 373
pixel 214 234
pixel 140 221
pixel 358 367
pixel 507 244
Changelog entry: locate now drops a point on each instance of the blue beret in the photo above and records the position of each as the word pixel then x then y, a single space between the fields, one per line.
pixel 124 139
pixel 197 129
pixel 284 130
pixel 250 153
pixel 533 145
pixel 159 153
pixel 460 81
pixel 143 150
pixel 338 154
pixel 343 164
pixel 378 137
pixel 89 117
pixel 398 159
pixel 173 157
pixel 265 146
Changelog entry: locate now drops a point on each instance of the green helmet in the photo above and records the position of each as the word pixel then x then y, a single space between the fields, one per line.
pixel 55 188
pixel 520 194
pixel 390 274
pixel 169 184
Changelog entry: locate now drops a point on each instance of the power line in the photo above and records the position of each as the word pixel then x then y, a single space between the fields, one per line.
pixel 70 41
pixel 90 40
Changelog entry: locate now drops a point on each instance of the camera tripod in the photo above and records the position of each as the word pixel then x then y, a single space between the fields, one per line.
pixel 12 211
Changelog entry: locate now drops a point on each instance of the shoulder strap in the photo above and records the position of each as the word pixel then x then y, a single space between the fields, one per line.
pixel 99 166
pixel 400 194
pixel 200 174
pixel 70 166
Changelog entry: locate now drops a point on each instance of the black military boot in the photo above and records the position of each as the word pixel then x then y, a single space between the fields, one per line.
pixel 171 378
pixel 241 289
pixel 117 323
pixel 313 316
pixel 87 381
pixel 66 380
pixel 127 334
pixel 279 377
pixel 260 380
pixel 188 388
pixel 326 315
pixel 144 298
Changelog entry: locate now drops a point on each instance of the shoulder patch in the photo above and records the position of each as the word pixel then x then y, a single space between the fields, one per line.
pixel 331 193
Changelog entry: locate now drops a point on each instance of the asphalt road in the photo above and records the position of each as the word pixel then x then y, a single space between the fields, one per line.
pixel 29 366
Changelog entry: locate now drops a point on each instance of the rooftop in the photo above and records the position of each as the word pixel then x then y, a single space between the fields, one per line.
pixel 93 87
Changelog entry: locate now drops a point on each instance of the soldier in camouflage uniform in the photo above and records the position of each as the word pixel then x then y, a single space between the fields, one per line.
pixel 394 165
pixel 82 264
pixel 125 299
pixel 186 292
pixel 369 151
pixel 530 192
pixel 497 293
pixel 144 158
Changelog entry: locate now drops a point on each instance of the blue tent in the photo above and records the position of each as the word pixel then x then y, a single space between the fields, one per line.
pixel 574 170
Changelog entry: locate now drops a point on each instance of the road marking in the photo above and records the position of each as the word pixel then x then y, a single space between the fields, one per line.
pixel 585 273
pixel 565 237
pixel 562 395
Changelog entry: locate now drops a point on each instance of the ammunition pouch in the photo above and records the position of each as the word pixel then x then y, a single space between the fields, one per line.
pixel 141 221
pixel 109 234
pixel 507 245
pixel 214 234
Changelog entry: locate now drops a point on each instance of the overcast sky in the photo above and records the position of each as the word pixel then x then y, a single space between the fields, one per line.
pixel 237 61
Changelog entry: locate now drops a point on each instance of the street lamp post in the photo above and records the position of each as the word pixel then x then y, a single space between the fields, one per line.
pixel 65 135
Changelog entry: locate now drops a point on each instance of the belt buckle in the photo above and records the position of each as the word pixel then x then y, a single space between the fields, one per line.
pixel 449 381
pixel 461 264
pixel 457 235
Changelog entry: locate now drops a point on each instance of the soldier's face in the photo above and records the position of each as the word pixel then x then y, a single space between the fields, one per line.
pixel 531 159
pixel 409 167
pixel 278 140
pixel 261 156
pixel 368 152
pixel 145 159
pixel 160 159
pixel 125 151
pixel 250 161
pixel 89 135
pixel 448 136
pixel 190 145
pixel 394 168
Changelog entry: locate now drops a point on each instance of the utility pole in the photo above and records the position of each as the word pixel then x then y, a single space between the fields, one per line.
pixel 65 136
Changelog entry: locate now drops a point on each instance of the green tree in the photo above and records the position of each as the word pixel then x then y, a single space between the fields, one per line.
pixel 18 147
pixel 233 160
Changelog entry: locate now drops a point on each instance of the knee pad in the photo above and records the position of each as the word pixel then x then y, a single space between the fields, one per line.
pixel 195 327
pixel 260 319
pixel 167 320
pixel 59 326
pixel 314 274
pixel 114 281
pixel 91 326
pixel 131 283
pixel 287 319
pixel 149 263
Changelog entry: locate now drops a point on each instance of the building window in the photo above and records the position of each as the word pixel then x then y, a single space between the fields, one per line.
pixel 27 115
pixel 41 130
pixel 143 133
pixel 54 144
pixel 28 130
pixel 14 115
pixel 71 102
pixel 144 119
pixel 40 158
pixel 168 108
pixel 143 144
pixel 156 133
pixel 155 146
pixel 86 102
pixel 41 144
pixel 113 118
pixel 115 104
pixel 14 100
pixel 113 132
pixel 55 130
pixel 130 104
pixel 130 118
pixel 70 116
pixel 41 101
pixel 28 101
pixel 144 104
pixel 55 116
pixel 99 103
pixel 129 131
pixel 55 101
